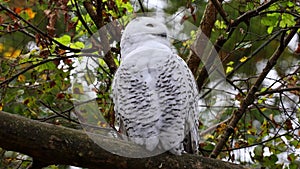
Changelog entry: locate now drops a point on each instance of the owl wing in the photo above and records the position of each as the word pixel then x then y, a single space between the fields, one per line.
pixel 191 139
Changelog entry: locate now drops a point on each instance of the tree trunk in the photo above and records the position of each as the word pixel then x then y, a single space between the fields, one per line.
pixel 50 144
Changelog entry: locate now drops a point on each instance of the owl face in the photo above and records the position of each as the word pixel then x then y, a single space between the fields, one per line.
pixel 144 32
pixel 144 26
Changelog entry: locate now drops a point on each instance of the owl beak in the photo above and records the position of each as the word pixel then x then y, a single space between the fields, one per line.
pixel 164 35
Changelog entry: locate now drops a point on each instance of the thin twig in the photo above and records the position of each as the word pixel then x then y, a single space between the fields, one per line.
pixel 81 18
pixel 141 5
pixel 221 11
pixel 33 66
pixel 39 31
pixel 250 97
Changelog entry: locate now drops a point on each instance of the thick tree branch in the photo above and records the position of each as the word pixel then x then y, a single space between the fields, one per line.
pixel 203 34
pixel 250 97
pixel 97 17
pixel 51 144
pixel 207 23
pixel 93 14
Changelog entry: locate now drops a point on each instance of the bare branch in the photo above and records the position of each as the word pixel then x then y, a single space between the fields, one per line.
pixel 204 31
pixel 5 82
pixel 221 11
pixel 99 22
pixel 81 18
pixel 250 97
pixel 296 88
pixel 38 30
pixel 208 21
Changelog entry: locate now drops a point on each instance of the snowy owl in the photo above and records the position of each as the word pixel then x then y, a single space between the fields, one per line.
pixel 154 92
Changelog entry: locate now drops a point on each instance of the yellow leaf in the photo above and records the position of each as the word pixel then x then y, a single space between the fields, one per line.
pixel 208 136
pixel 21 78
pixel 263 109
pixel 12 54
pixel 16 53
pixel 243 59
pixel 229 69
pixel 7 55
pixel 230 63
pixel 251 131
pixel 1 106
pixel 221 128
pixel 1 47
pixel 104 125
pixel 30 13
pixel 44 76
pixel 32 113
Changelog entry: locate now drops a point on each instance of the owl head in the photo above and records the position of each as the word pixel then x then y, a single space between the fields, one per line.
pixel 143 30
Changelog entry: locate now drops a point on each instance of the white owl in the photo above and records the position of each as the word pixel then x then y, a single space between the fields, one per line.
pixel 154 92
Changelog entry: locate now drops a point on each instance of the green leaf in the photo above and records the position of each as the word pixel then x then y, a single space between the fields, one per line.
pixel 258 152
pixel 270 29
pixel 249 6
pixel 209 147
pixel 293 166
pixel 294 143
pixel 65 39
pixel 270 161
pixel 77 45
pixel 268 21
pixel 286 20
pixel 129 7
pixel 290 4
pixel 273 7
pixel 46 66
pixel 220 24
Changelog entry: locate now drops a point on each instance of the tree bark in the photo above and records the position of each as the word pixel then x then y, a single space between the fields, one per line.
pixel 97 17
pixel 203 35
pixel 50 144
